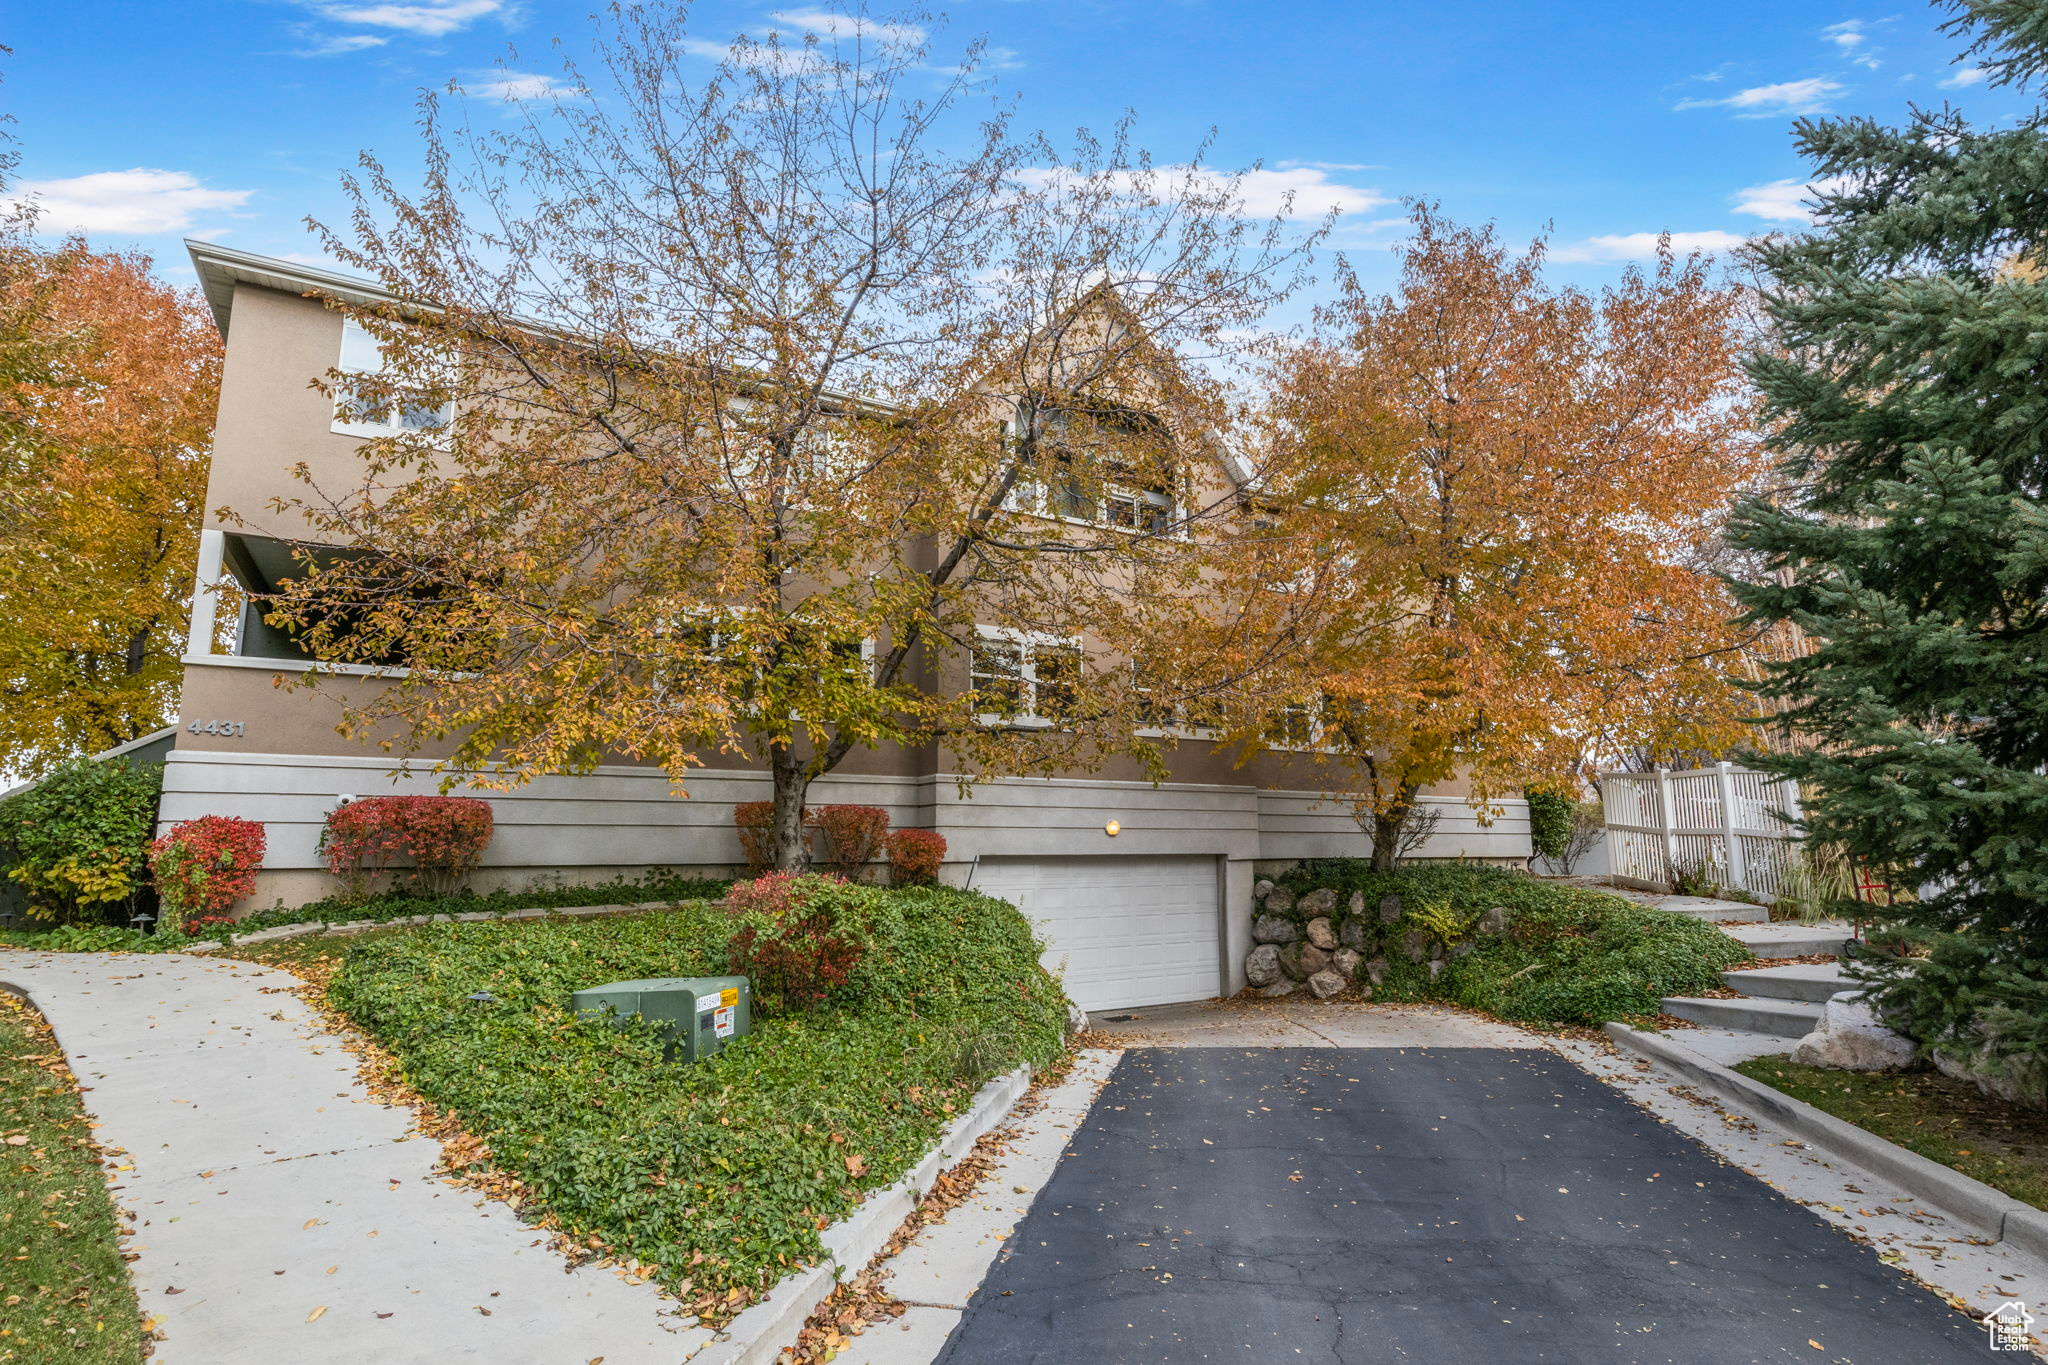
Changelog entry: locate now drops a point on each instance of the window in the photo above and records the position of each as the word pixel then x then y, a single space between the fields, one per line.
pixel 365 413
pixel 1116 494
pixel 1195 716
pixel 1146 510
pixel 1030 679
pixel 1297 725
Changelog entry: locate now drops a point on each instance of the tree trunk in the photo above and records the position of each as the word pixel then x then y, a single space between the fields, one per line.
pixel 1387 823
pixel 789 837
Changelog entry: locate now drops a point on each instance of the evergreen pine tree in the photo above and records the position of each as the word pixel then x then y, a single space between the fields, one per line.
pixel 1908 392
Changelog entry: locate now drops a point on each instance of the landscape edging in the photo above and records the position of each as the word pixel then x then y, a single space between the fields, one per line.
pixel 757 1336
pixel 1997 1214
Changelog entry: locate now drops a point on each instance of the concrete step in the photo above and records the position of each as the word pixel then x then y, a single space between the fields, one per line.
pixel 1785 1018
pixel 1797 982
pixel 1718 911
pixel 1729 1046
pixel 1790 940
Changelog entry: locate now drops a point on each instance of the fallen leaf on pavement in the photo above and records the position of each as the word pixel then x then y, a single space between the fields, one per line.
pixel 314 1316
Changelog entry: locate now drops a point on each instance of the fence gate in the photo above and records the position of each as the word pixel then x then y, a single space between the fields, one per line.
pixel 1730 823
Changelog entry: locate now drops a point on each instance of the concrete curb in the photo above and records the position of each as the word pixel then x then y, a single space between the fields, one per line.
pixel 757 1336
pixel 1998 1215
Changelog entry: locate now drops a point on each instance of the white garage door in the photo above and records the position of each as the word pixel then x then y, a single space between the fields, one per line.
pixel 1119 931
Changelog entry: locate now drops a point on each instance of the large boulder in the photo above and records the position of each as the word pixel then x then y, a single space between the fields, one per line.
pixel 1274 929
pixel 1325 984
pixel 1390 909
pixel 1971 1070
pixel 1278 989
pixel 1494 921
pixel 1344 962
pixel 1320 901
pixel 1303 960
pixel 1852 1038
pixel 1261 889
pixel 1417 943
pixel 1077 1019
pixel 1356 905
pixel 1376 971
pixel 1321 933
pixel 1262 965
pixel 1353 935
pixel 1279 901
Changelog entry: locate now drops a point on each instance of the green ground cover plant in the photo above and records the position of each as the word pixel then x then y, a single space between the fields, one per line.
pixel 1942 1119
pixel 718 1175
pixel 64 1290
pixel 1565 955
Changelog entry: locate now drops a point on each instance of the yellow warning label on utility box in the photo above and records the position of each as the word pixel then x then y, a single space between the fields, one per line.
pixel 729 997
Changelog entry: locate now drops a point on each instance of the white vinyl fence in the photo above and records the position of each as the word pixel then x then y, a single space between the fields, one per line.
pixel 1727 821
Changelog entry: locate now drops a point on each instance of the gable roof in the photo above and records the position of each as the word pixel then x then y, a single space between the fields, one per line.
pixel 221 268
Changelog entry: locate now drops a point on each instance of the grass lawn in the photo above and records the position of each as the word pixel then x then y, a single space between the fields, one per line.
pixel 64 1291
pixel 716 1178
pixel 1941 1119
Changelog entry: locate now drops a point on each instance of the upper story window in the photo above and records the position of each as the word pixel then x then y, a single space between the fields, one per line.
pixel 359 413
pixel 1304 724
pixel 1105 468
pixel 1024 679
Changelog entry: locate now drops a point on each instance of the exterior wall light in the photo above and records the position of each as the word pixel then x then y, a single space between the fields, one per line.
pixel 1112 829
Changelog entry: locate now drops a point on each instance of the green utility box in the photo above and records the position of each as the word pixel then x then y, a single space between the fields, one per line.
pixel 698 1014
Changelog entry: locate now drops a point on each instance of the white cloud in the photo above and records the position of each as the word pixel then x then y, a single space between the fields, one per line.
pixel 1852 37
pixel 428 18
pixel 334 44
pixel 1809 96
pixel 1264 192
pixel 517 85
pixel 1968 76
pixel 827 24
pixel 1783 201
pixel 791 57
pixel 1642 246
pixel 132 202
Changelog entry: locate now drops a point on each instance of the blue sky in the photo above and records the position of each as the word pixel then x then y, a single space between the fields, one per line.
pixel 147 122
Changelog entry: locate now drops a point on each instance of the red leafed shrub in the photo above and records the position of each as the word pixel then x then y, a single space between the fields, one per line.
pixel 755 821
pixel 853 836
pixel 803 940
pixel 204 866
pixel 915 855
pixel 775 895
pixel 441 839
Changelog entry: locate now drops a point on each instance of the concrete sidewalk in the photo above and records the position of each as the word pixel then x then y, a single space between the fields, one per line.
pixel 283 1215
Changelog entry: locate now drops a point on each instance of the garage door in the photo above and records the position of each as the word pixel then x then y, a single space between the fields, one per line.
pixel 1119 931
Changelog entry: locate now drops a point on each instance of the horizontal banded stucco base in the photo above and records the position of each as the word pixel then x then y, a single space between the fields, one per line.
pixel 627 820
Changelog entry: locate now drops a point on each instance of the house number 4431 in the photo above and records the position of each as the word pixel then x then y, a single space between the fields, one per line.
pixel 217 727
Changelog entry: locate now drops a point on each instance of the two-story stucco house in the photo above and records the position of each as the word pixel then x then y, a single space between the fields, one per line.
pixel 1142 890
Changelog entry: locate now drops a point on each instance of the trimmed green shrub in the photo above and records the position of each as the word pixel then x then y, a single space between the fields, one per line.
pixel 1568 955
pixel 1550 822
pixel 652 887
pixel 720 1174
pixel 77 841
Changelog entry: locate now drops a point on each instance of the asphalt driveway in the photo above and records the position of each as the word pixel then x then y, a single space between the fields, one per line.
pixel 1430 1205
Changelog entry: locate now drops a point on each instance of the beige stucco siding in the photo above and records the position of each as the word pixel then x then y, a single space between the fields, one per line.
pixel 271 417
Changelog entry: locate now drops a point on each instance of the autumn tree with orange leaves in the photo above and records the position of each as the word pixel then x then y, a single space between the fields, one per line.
pixel 1514 489
pixel 791 410
pixel 108 379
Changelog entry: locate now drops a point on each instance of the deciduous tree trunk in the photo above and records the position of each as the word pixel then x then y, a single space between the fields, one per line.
pixel 1387 823
pixel 788 836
